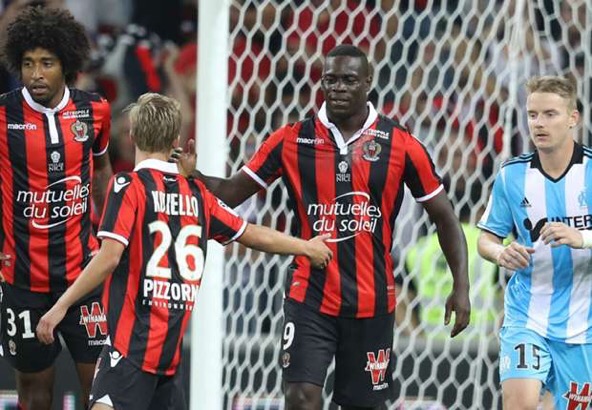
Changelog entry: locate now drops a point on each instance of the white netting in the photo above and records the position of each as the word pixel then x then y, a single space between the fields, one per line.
pixel 453 72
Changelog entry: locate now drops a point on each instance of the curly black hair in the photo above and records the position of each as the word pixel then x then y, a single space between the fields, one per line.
pixel 52 29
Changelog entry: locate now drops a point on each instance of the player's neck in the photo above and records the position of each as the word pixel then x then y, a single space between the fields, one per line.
pixel 143 155
pixel 555 162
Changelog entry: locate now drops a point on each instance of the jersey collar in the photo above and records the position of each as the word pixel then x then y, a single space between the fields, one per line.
pixel 163 166
pixel 42 109
pixel 339 140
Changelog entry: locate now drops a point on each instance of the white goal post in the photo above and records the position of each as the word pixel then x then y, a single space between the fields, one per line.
pixel 453 72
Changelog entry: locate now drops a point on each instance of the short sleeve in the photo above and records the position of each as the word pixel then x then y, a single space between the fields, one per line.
pixel 420 173
pixel 120 210
pixel 266 164
pixel 225 224
pixel 497 217
pixel 103 117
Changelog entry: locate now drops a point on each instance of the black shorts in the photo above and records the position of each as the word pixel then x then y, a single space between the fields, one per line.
pixel 361 347
pixel 83 329
pixel 121 385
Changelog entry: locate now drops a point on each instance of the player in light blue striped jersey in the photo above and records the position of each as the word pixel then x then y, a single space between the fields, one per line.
pixel 545 199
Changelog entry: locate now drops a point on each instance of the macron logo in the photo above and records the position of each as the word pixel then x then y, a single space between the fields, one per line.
pixel 20 127
pixel 119 183
pixel 310 141
pixel 114 357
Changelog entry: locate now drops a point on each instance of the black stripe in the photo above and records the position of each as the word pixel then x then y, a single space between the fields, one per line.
pixel 139 339
pixel 346 250
pixel 86 229
pixel 306 155
pixel 175 315
pixel 379 171
pixel 56 252
pixel 17 152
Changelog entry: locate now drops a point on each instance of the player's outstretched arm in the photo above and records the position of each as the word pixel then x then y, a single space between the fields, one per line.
pixel 233 191
pixel 92 276
pixel 454 245
pixel 269 240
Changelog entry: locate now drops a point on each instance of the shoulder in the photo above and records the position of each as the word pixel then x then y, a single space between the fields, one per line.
pixel 518 161
pixel 587 151
pixel 98 103
pixel 385 122
pixel 10 97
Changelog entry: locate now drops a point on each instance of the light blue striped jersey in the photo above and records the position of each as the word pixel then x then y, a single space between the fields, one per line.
pixel 553 295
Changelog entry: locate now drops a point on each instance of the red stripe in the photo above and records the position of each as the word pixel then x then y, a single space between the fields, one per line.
pixel 363 242
pixel 394 180
pixel 125 325
pixel 159 315
pixel 36 162
pixel 7 185
pixel 326 192
pixel 74 156
pixel 290 163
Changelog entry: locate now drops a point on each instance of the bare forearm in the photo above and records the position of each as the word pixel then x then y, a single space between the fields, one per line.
pixel 489 247
pixel 93 275
pixel 99 186
pixel 233 191
pixel 269 240
pixel 454 245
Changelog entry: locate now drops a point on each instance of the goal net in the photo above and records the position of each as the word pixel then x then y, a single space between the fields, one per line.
pixel 451 72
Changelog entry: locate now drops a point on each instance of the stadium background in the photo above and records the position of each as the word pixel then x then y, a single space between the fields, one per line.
pixel 451 71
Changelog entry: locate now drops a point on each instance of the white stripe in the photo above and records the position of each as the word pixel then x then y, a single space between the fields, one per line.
pixel 430 195
pixel 111 235
pixel 255 177
pixel 541 279
pixel 579 306
pixel 98 154
pixel 53 131
pixel 238 233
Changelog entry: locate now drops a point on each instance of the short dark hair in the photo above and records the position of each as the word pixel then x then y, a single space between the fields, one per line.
pixel 348 50
pixel 52 29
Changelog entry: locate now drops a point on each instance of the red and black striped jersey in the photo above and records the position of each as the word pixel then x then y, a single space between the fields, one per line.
pixel 352 190
pixel 165 221
pixel 46 167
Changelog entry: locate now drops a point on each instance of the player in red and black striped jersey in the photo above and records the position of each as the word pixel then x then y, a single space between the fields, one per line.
pixel 53 160
pixel 344 170
pixel 154 231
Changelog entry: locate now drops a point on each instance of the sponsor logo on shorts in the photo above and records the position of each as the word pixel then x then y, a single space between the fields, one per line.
pixel 12 347
pixel 285 360
pixel 94 320
pixel 578 399
pixel 377 365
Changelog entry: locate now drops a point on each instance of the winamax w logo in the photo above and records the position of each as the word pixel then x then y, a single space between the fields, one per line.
pixel 93 320
pixel 578 399
pixel 377 367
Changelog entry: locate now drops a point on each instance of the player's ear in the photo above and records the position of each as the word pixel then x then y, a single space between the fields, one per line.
pixel 176 141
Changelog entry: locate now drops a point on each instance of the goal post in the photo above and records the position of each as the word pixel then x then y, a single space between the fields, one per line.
pixel 453 73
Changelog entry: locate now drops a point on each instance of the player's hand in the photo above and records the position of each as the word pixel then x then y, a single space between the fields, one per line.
pixel 514 256
pixel 318 252
pixel 4 261
pixel 458 302
pixel 48 323
pixel 558 233
pixel 186 159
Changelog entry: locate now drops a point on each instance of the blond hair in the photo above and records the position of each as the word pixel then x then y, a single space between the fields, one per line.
pixel 561 86
pixel 155 121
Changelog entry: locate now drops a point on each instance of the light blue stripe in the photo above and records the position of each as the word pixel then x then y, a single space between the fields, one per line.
pixel 562 265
